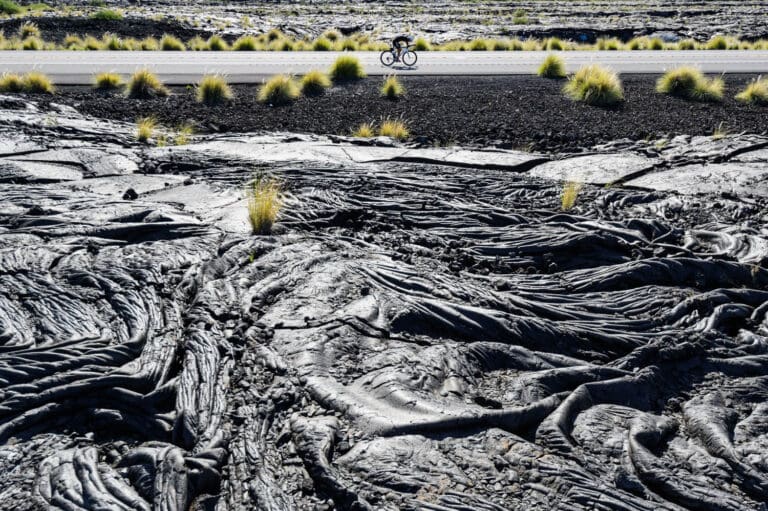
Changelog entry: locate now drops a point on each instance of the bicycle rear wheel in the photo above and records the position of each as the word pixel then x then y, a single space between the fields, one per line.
pixel 409 58
pixel 387 58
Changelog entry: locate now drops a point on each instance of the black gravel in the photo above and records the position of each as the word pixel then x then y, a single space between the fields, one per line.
pixel 506 111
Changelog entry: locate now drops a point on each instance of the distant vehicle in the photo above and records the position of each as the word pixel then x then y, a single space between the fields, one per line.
pixel 407 56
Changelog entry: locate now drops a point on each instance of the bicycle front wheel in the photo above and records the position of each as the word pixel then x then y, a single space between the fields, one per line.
pixel 387 58
pixel 409 58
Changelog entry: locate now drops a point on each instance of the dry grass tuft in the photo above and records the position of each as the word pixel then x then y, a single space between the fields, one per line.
pixel 264 203
pixel 755 93
pixel 145 128
pixel 107 81
pixel 365 130
pixel 392 88
pixel 279 90
pixel 688 82
pixel 346 68
pixel 394 128
pixel 213 90
pixel 314 83
pixel 571 191
pixel 552 67
pixel 595 85
pixel 144 84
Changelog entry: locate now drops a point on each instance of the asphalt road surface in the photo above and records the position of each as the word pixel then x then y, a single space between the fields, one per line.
pixel 78 67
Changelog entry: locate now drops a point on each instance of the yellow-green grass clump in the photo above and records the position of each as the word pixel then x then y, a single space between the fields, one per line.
pixel 216 43
pixel 570 193
pixel 107 15
pixel 392 88
pixel 554 44
pixel 279 90
pixel 421 44
pixel 595 85
pixel 37 83
pixel 11 82
pixel 346 68
pixel 322 44
pixel 183 134
pixel 246 43
pixel 107 82
pixel 32 43
pixel 145 84
pixel 365 130
pixel 29 29
pixel 149 44
pixel 552 67
pixel 145 128
pixel 394 128
pixel 478 45
pixel 264 204
pixel 314 83
pixel 90 43
pixel 171 43
pixel 717 42
pixel 756 92
pixel 688 82
pixel 213 90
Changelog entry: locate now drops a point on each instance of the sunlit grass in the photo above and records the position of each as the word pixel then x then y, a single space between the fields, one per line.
pixel 394 128
pixel 552 67
pixel 145 128
pixel 144 84
pixel 279 90
pixel 265 201
pixel 570 193
pixel 392 88
pixel 213 90
pixel 107 81
pixel 595 85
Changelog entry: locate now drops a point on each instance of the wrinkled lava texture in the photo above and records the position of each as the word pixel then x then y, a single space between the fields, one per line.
pixel 414 335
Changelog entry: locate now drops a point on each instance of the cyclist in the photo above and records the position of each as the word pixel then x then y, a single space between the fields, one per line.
pixel 401 42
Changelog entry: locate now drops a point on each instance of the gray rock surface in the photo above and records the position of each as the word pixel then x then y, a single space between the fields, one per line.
pixel 416 333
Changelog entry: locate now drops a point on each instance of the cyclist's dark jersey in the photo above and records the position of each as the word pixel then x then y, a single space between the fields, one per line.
pixel 401 40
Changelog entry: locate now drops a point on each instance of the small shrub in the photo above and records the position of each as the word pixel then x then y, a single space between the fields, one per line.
pixel 246 43
pixel 478 45
pixel 171 43
pixel 365 130
pixel 144 84
pixel 688 82
pixel 394 129
pixel 595 85
pixel 150 44
pixel 520 17
pixel 392 88
pixel 72 42
pixel 145 128
pixel 570 193
pixel 90 43
pixel 213 90
pixel 107 15
pixel 107 81
pixel 314 83
pixel 279 90
pixel 38 83
pixel 197 43
pixel 552 67
pixel 655 44
pixel 11 82
pixel 275 34
pixel 29 29
pixel 332 35
pixel 755 93
pixel 686 44
pixel 264 204
pixel 9 7
pixel 717 42
pixel 183 134
pixel 216 43
pixel 499 45
pixel 635 44
pixel 421 44
pixel 32 43
pixel 346 68
pixel 349 45
pixel 112 42
pixel 322 44
pixel 554 44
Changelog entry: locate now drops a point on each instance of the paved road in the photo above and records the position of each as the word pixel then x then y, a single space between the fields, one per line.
pixel 78 67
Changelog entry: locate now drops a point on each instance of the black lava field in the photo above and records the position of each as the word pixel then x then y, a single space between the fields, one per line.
pixel 424 329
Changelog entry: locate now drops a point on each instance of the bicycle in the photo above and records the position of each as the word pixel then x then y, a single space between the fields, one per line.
pixel 407 57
